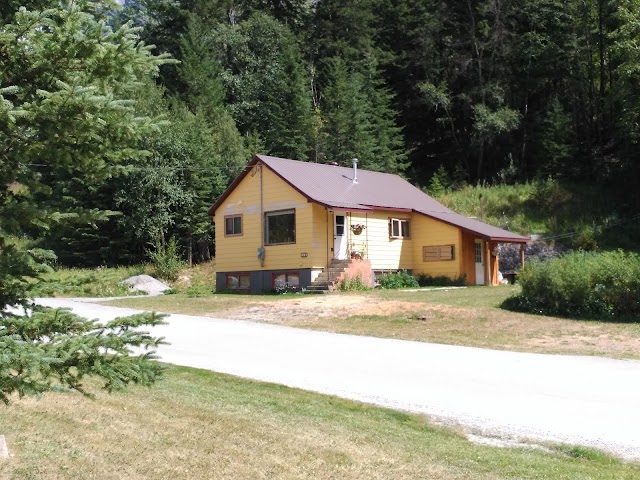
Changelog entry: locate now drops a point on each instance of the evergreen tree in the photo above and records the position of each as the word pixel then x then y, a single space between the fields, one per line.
pixel 557 142
pixel 348 131
pixel 66 80
pixel 267 88
pixel 360 122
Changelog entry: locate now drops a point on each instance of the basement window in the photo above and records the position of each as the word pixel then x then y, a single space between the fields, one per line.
pixel 238 281
pixel 232 225
pixel 280 227
pixel 398 228
pixel 438 253
pixel 287 278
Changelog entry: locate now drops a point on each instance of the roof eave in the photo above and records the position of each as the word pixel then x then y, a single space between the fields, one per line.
pixel 519 239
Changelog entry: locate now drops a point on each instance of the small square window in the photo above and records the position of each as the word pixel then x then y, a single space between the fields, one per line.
pixel 232 225
pixel 399 228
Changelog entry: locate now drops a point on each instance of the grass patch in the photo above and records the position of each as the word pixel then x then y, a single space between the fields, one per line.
pixel 456 297
pixel 201 425
pixel 85 282
pixel 196 281
pixel 591 214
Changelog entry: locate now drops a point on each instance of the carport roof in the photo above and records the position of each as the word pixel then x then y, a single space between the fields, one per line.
pixel 333 187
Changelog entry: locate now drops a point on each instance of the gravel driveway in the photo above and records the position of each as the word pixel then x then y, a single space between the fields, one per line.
pixel 496 395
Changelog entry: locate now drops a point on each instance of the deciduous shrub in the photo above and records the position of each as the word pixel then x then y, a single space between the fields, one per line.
pixel 581 285
pixel 425 280
pixel 397 280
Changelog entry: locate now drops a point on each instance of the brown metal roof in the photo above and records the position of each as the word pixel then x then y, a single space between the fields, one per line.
pixel 333 187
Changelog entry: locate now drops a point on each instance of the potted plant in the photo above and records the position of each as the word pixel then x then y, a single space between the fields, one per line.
pixel 357 228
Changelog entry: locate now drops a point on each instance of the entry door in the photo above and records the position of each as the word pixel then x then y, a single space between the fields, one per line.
pixel 479 257
pixel 339 237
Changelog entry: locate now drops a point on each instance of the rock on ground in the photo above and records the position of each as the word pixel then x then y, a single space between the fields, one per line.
pixel 146 283
pixel 4 451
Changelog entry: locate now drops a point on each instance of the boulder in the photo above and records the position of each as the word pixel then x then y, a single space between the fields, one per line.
pixel 146 283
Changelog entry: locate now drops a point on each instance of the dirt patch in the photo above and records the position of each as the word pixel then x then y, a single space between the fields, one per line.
pixel 320 306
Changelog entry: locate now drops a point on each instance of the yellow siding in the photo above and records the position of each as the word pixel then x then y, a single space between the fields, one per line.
pixel 319 253
pixel 384 253
pixel 314 233
pixel 239 253
pixel 428 232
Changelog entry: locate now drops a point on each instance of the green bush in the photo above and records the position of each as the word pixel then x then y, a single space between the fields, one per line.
pixel 581 285
pixel 397 280
pixel 166 261
pixel 349 284
pixel 425 280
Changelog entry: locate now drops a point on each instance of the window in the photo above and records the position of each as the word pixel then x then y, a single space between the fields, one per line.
pixel 478 252
pixel 437 253
pixel 232 225
pixel 398 228
pixel 238 281
pixel 280 227
pixel 287 278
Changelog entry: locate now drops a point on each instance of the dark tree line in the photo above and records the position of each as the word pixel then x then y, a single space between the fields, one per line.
pixel 478 91
pixel 545 86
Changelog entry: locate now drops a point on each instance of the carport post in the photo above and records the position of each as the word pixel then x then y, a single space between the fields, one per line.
pixel 522 255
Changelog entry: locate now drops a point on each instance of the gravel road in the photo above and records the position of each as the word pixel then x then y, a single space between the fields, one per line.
pixel 496 395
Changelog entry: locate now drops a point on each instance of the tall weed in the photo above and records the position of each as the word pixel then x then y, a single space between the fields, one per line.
pixel 351 284
pixel 166 260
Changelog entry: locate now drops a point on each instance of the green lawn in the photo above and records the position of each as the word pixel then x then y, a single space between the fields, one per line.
pixel 201 425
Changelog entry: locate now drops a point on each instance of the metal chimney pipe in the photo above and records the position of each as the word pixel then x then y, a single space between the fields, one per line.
pixel 355 170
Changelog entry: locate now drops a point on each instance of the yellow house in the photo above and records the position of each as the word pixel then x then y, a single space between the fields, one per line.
pixel 309 225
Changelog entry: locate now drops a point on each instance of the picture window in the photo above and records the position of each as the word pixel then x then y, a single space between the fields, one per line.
pixel 280 227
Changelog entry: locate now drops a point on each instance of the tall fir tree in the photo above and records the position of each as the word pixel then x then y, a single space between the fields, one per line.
pixel 66 116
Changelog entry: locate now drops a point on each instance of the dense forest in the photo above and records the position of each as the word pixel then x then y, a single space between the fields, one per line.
pixel 473 92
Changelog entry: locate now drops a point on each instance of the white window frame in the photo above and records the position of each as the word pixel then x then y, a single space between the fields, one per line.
pixel 396 225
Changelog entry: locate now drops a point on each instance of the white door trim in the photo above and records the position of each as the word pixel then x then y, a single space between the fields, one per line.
pixel 479 259
pixel 340 236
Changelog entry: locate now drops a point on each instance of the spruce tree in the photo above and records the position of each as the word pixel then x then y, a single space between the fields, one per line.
pixel 67 121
